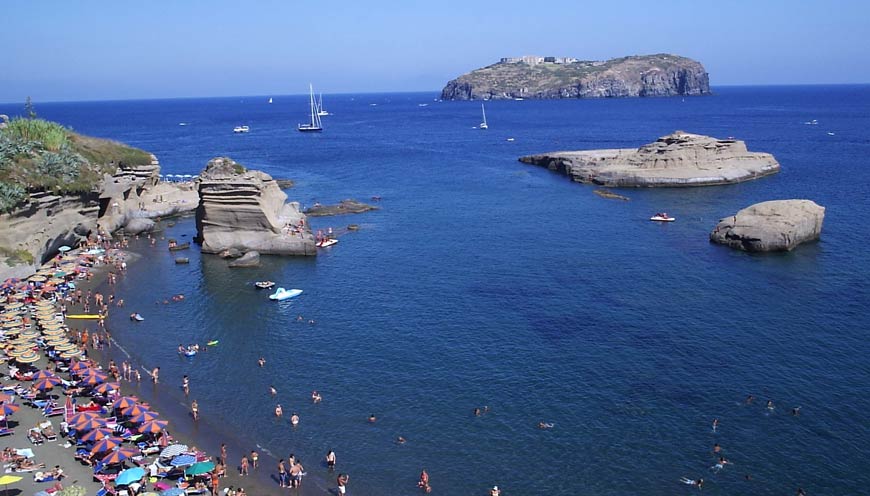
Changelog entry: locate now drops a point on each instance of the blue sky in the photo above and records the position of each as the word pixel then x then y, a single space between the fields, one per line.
pixel 95 50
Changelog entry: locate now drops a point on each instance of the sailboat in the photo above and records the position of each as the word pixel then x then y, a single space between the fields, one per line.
pixel 314 125
pixel 320 110
pixel 483 124
pixel 270 99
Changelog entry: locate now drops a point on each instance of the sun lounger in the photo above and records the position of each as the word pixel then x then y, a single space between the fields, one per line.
pixel 48 431
pixel 35 436
pixel 5 431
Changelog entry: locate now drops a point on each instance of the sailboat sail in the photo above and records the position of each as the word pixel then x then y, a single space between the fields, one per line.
pixel 483 125
pixel 320 109
pixel 315 124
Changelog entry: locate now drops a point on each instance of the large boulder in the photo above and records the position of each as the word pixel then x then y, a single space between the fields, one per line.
pixel 138 225
pixel 250 259
pixel 778 225
pixel 677 160
pixel 245 209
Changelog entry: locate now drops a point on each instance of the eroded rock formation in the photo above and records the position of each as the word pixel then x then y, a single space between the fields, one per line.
pixel 246 210
pixel 675 160
pixel 778 225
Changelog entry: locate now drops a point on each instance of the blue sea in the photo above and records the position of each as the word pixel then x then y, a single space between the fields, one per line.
pixel 485 281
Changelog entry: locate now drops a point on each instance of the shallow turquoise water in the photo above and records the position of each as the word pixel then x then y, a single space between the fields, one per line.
pixel 484 281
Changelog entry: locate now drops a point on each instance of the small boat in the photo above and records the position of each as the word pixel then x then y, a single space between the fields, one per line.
pixel 182 260
pixel 320 110
pixel 270 99
pixel 213 343
pixel 483 125
pixel 509 139
pixel 177 247
pixel 182 123
pixel 264 284
pixel 241 129
pixel 830 134
pixel 323 243
pixel 284 294
pixel 662 217
pixel 315 125
pixel 136 317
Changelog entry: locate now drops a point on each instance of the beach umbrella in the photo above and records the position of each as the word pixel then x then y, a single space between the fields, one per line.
pixel 199 468
pixel 174 450
pixel 27 358
pixel 182 460
pixel 37 278
pixel 130 475
pixel 93 423
pixel 8 408
pixel 121 454
pixel 96 434
pixel 14 306
pixel 106 444
pixel 67 346
pixel 172 491
pixel 31 334
pixel 71 354
pixel 78 367
pixel 47 383
pixel 92 380
pixel 153 426
pixel 12 479
pixel 42 374
pixel 134 409
pixel 124 402
pixel 107 386
pixel 16 352
pixel 94 373
pixel 144 417
pixel 64 249
pixel 81 417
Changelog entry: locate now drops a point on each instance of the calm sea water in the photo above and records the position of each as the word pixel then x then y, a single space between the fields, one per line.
pixel 484 281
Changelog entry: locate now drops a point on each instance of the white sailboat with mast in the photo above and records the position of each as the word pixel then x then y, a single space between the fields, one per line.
pixel 314 125
pixel 320 109
pixel 483 125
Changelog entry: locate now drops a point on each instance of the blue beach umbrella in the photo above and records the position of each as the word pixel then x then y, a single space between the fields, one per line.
pixel 182 460
pixel 130 475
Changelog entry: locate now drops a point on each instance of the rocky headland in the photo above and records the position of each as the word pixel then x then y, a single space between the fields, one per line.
pixel 677 160
pixel 246 210
pixel 551 77
pixel 779 225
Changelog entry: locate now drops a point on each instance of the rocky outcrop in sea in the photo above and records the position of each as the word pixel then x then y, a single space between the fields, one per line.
pixel 778 225
pixel 635 76
pixel 246 210
pixel 679 159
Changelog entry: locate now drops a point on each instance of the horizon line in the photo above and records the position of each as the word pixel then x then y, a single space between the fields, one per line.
pixel 108 100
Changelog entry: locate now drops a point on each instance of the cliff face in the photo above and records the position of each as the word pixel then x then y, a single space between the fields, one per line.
pixel 636 76
pixel 246 210
pixel 678 159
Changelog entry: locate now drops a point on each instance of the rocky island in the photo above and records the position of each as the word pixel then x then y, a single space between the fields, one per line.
pixel 565 77
pixel 778 225
pixel 679 159
pixel 245 210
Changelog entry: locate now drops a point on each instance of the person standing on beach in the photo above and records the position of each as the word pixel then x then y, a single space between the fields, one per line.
pixel 223 454
pixel 243 467
pixel 282 474
pixel 296 472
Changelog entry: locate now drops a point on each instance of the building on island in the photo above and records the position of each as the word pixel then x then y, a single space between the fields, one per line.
pixel 535 60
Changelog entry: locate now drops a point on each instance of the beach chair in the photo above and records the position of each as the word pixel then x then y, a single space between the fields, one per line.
pixel 34 435
pixel 48 431
pixel 52 409
pixel 5 431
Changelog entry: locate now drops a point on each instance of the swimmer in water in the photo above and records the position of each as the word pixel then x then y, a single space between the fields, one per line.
pixel 477 412
pixel 796 411
pixel 770 404
pixel 715 424
pixel 315 397
pixel 720 464
pixel 294 419
pixel 400 440
pixel 272 390
pixel 698 483
pixel 372 418
pixel 278 410
pixel 749 399
pixel 717 449
pixel 261 362
pixel 185 385
pixel 545 425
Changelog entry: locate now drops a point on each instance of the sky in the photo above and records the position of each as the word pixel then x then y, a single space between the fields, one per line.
pixel 57 50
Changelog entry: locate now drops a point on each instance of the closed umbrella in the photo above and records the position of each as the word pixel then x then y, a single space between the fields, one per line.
pixel 182 460
pixel 130 475
pixel 199 468
pixel 174 450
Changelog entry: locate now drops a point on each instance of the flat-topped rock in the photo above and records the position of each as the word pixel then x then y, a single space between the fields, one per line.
pixel 679 159
pixel 245 209
pixel 343 207
pixel 778 225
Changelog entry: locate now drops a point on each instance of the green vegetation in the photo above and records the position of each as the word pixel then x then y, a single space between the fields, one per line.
pixel 239 168
pixel 28 108
pixel 39 155
pixel 16 257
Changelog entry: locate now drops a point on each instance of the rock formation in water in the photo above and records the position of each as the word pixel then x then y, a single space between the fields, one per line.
pixel 675 160
pixel 778 225
pixel 548 77
pixel 246 210
pixel 343 207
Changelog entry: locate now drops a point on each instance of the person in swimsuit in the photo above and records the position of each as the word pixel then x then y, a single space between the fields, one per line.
pixel 294 419
pixel 330 460
pixel 423 483
pixel 715 424
pixel 272 390
pixel 278 410
pixel 372 418
pixel 185 385
pixel 494 491
pixel 282 474
pixel 255 458
pixel 315 397
pixel 194 409
pixel 243 466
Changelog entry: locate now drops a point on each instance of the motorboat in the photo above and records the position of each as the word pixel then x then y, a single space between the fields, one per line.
pixel 241 129
pixel 662 217
pixel 323 243
pixel 284 294
pixel 264 284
